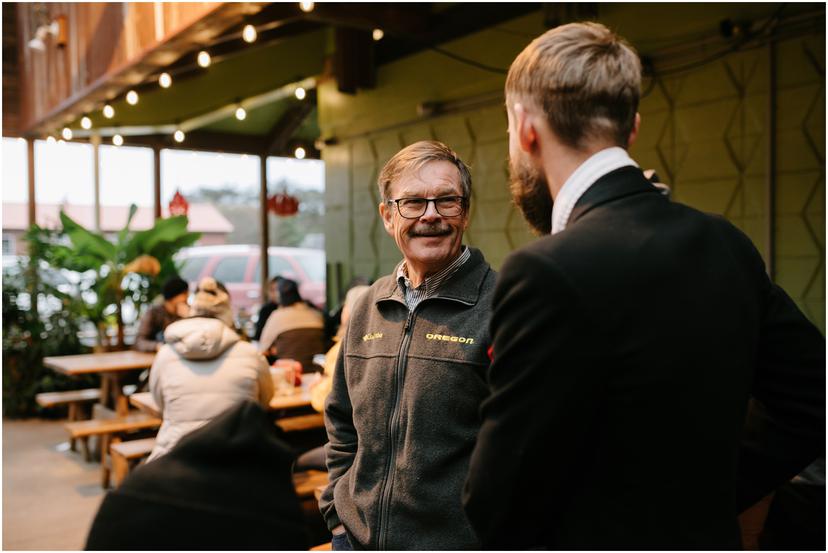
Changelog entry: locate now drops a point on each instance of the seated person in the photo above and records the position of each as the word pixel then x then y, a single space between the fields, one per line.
pixel 204 368
pixel 159 317
pixel 315 458
pixel 268 308
pixel 295 330
pixel 225 486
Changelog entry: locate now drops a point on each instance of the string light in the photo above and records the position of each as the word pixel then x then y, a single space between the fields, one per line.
pixel 118 140
pixel 300 93
pixel 204 59
pixel 132 97
pixel 249 33
pixel 377 34
pixel 61 142
pixel 299 153
pixel 50 139
pixel 66 133
pixel 306 7
pixel 165 80
pixel 108 111
pixel 178 136
pixel 86 122
pixel 241 113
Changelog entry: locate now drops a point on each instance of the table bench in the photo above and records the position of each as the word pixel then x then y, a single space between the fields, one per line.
pixel 301 422
pixel 307 481
pixel 75 400
pixel 125 455
pixel 110 431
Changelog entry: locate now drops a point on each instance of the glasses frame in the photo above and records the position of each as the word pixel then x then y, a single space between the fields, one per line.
pixel 463 204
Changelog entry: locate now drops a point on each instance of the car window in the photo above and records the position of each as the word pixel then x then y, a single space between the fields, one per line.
pixel 192 267
pixel 276 265
pixel 230 269
pixel 314 265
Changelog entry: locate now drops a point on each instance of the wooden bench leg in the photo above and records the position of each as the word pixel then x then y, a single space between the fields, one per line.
pixel 106 468
pixel 87 454
pixel 120 468
pixel 73 416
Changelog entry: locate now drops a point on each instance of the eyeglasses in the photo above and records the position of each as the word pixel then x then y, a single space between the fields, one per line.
pixel 414 208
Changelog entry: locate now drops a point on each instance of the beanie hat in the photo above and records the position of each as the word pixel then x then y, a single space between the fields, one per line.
pixel 212 300
pixel 227 485
pixel 288 292
pixel 173 287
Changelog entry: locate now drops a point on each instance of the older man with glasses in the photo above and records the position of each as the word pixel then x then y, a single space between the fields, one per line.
pixel 402 415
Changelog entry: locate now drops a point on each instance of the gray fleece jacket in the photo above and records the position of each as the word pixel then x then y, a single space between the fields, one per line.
pixel 402 415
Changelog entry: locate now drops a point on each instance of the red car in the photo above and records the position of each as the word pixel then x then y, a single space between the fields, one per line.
pixel 237 266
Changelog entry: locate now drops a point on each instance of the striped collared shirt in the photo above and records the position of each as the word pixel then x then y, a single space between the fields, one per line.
pixel 430 285
pixel 598 165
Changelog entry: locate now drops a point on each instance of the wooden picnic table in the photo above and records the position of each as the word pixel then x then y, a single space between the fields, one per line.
pixel 110 365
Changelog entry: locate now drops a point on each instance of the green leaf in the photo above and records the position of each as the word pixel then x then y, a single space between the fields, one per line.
pixel 122 236
pixel 87 242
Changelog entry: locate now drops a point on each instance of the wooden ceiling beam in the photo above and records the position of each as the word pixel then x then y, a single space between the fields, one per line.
pixel 279 136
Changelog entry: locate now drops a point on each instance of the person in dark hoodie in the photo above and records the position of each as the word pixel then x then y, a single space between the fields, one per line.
pixel 225 486
pixel 204 368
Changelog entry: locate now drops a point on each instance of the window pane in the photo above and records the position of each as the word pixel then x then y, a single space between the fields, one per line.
pixel 230 269
pixel 192 268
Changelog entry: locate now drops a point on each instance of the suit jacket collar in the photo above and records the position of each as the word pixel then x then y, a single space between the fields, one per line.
pixel 463 286
pixel 618 184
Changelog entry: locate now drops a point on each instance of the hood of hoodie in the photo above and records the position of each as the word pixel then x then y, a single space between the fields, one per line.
pixel 200 337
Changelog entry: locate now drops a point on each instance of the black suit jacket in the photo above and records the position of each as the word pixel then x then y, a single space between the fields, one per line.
pixel 626 349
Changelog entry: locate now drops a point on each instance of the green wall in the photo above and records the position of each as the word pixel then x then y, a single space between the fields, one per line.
pixel 704 131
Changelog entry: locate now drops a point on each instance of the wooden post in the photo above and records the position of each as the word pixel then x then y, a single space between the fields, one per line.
pixel 95 139
pixel 265 230
pixel 30 150
pixel 156 183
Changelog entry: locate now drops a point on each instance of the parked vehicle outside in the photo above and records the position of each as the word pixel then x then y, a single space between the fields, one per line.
pixel 237 266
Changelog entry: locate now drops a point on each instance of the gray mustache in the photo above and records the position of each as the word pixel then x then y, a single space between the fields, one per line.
pixel 430 231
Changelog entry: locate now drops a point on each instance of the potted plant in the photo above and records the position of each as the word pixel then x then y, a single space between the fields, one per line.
pixel 130 268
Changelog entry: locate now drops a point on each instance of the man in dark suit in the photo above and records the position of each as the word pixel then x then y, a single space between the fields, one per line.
pixel 629 343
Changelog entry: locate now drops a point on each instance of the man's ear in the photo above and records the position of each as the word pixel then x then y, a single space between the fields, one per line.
pixel 527 134
pixel 634 132
pixel 387 214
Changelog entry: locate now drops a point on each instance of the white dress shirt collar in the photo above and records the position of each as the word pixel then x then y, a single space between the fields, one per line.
pixel 598 165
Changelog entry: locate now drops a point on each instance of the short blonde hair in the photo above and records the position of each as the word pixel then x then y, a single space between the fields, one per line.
pixel 586 79
pixel 413 157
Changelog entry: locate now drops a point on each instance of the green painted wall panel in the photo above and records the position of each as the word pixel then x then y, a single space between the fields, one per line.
pixel 705 132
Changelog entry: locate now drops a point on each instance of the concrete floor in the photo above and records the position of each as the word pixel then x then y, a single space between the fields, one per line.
pixel 50 495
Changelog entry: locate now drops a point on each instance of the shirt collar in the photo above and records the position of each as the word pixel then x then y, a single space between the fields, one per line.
pixel 433 282
pixel 595 167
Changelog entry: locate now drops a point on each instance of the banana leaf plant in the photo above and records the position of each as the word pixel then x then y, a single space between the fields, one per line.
pixel 133 267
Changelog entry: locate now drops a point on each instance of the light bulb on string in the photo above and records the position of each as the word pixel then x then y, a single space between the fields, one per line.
pixel 241 113
pixel 86 122
pixel 66 133
pixel 132 97
pixel 299 153
pixel 306 7
pixel 179 136
pixel 249 33
pixel 377 34
pixel 204 59
pixel 50 139
pixel 165 80
pixel 108 111
pixel 300 93
pixel 118 140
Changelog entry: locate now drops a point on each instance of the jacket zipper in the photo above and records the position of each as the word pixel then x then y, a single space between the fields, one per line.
pixel 393 423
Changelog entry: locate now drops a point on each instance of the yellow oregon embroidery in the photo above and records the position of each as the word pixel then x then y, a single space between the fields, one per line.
pixel 445 338
pixel 372 336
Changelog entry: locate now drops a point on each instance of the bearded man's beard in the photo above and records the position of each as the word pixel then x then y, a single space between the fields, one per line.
pixel 530 193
